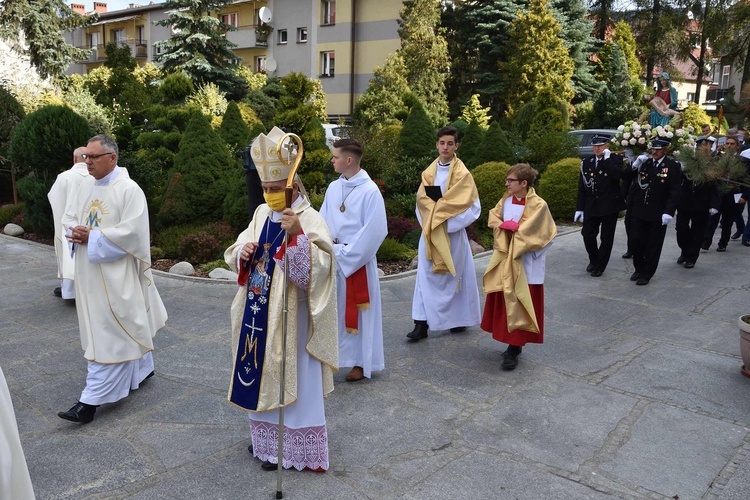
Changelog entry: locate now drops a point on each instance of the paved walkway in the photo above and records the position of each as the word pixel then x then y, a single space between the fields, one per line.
pixel 636 393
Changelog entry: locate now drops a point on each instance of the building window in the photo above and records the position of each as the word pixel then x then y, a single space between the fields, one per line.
pixel 329 12
pixel 118 36
pixel 327 64
pixel 140 35
pixel 282 37
pixel 690 96
pixel 301 35
pixel 725 72
pixel 260 64
pixel 94 40
pixel 231 19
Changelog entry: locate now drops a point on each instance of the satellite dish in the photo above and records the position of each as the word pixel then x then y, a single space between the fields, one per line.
pixel 265 15
pixel 270 64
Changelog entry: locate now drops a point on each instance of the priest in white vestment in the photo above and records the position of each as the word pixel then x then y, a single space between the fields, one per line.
pixel 446 296
pixel 119 308
pixel 15 482
pixel 257 319
pixel 355 212
pixel 62 190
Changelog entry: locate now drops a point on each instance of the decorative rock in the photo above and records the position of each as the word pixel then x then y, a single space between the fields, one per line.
pixel 381 273
pixel 414 262
pixel 475 247
pixel 222 274
pixel 183 269
pixel 13 230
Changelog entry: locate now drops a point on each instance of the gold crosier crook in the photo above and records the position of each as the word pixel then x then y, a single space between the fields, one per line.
pixel 282 379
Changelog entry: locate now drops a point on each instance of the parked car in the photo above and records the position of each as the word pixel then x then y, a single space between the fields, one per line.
pixel 584 139
pixel 335 132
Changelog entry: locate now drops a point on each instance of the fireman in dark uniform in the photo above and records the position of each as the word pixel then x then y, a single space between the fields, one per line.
pixel 655 196
pixel 599 203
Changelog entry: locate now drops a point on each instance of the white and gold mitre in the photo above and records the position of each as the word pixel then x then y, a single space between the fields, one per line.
pixel 263 151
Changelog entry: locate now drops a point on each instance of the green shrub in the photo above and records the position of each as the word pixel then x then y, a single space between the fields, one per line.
pixel 411 239
pixel 316 198
pixel 399 226
pixel 583 117
pixel 175 88
pixel 38 212
pixel 235 208
pixel 490 180
pixel 406 177
pixel 234 130
pixel 168 239
pixel 470 142
pixel 9 212
pixel 379 156
pixel 494 147
pixel 214 264
pixel 43 141
pixel 542 150
pixel 156 254
pixel 263 105
pixel 417 138
pixel 401 204
pixel 559 187
pixel 201 247
pixel 391 250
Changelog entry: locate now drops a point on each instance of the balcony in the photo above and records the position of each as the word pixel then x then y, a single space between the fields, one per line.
pixel 716 95
pixel 138 49
pixel 247 38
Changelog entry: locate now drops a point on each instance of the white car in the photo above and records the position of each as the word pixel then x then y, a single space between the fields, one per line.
pixel 334 132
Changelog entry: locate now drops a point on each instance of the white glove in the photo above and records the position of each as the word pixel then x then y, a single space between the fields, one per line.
pixel 712 211
pixel 578 217
pixel 665 219
pixel 639 161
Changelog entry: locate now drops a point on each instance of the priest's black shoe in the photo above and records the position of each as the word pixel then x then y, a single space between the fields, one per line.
pixel 689 265
pixel 80 412
pixel 706 245
pixel 596 273
pixel 642 281
pixel 627 255
pixel 57 292
pixel 589 268
pixel 635 276
pixel 420 330
pixel 736 236
pixel 269 466
pixel 458 329
pixel 681 260
pixel 510 358
pixel 721 248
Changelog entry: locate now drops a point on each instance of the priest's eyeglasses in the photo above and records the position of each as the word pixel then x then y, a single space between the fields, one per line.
pixel 94 157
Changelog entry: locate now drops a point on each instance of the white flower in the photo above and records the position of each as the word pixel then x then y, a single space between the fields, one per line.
pixel 632 141
pixel 680 132
pixel 626 135
pixel 659 130
pixel 637 133
pixel 624 143
pixel 676 154
pixel 647 126
pixel 670 135
pixel 691 129
pixel 642 140
pixel 636 126
pixel 621 128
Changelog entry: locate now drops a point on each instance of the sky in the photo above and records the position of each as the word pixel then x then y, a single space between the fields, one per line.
pixel 113 4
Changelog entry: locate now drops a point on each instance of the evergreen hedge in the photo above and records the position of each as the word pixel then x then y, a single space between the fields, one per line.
pixel 490 180
pixel 494 147
pixel 470 143
pixel 417 138
pixel 559 187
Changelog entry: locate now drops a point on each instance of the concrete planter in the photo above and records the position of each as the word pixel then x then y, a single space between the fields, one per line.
pixel 744 323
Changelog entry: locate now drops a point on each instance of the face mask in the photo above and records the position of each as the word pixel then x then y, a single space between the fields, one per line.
pixel 276 201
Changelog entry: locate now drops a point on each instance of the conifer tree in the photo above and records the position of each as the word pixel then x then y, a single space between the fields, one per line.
pixel 474 112
pixel 378 106
pixel 470 142
pixel 43 25
pixel 494 147
pixel 198 46
pixel 425 54
pixel 537 57
pixel 417 138
pixel 233 129
pixel 199 180
pixel 576 33
pixel 614 105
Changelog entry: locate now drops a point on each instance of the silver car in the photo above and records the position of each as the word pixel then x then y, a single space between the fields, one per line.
pixel 584 139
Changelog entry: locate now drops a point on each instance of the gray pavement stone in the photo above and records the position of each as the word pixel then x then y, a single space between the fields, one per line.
pixel 636 393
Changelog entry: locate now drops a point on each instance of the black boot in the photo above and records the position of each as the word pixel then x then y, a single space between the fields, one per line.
pixel 80 412
pixel 510 358
pixel 420 330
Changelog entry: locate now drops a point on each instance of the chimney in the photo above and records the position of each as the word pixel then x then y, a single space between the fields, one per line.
pixel 100 7
pixel 78 8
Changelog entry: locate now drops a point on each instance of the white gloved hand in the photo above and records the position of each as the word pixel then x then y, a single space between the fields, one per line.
pixel 712 211
pixel 639 161
pixel 665 219
pixel 578 217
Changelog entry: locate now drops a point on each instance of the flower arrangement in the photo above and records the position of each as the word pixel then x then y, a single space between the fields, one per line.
pixel 636 136
pixel 263 30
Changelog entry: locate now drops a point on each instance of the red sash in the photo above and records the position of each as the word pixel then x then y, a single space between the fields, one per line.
pixel 357 299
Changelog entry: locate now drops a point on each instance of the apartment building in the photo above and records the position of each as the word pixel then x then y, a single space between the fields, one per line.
pixel 338 41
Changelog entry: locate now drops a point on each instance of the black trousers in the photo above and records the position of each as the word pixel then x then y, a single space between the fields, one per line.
pixel 691 226
pixel 647 241
pixel 727 214
pixel 599 254
pixel 628 221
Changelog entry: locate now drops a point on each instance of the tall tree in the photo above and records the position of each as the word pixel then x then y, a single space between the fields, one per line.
pixel 614 104
pixel 538 57
pixel 660 31
pixel 199 47
pixel 576 34
pixel 425 53
pixel 738 49
pixel 382 101
pixel 474 112
pixel 710 19
pixel 601 12
pixel 37 29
